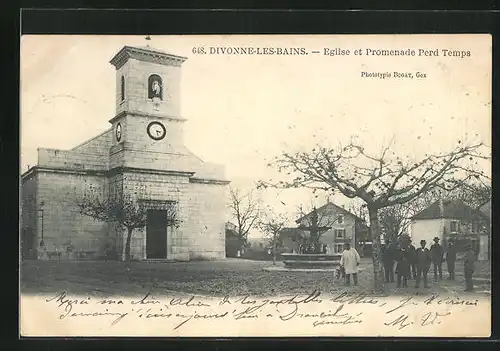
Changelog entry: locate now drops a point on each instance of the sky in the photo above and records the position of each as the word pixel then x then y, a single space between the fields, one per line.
pixel 242 110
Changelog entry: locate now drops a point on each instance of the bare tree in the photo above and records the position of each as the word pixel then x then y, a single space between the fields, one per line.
pixel 125 211
pixel 271 225
pixel 473 194
pixel 362 234
pixel 246 210
pixel 394 221
pixel 380 180
pixel 316 223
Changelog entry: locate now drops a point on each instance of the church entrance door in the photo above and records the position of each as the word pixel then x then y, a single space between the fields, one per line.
pixel 156 234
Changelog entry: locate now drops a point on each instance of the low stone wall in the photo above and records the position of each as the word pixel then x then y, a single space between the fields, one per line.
pixel 80 255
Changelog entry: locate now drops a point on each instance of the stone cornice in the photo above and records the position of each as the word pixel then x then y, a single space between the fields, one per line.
pixel 208 181
pixel 38 169
pixel 146 54
pixel 124 169
pixel 127 146
pixel 28 174
pixel 120 170
pixel 103 173
pixel 151 115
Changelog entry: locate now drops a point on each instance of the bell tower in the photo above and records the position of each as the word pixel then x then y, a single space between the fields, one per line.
pixel 148 80
pixel 148 115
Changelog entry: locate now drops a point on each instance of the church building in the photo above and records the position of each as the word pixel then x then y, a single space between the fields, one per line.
pixel 142 156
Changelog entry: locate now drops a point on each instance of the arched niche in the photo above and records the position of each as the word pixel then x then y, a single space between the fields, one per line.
pixel 155 87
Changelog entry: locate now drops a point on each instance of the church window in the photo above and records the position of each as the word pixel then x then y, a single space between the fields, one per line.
pixel 155 87
pixel 122 87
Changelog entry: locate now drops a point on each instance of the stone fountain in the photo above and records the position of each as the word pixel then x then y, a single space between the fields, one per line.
pixel 311 261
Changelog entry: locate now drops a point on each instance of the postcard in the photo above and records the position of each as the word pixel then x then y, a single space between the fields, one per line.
pixel 255 185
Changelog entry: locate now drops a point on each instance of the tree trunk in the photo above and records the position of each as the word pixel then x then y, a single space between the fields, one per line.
pixel 378 269
pixel 127 245
pixel 274 249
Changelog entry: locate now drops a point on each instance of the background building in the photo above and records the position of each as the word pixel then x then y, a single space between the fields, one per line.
pixel 340 226
pixel 485 237
pixel 452 220
pixel 233 242
pixel 141 156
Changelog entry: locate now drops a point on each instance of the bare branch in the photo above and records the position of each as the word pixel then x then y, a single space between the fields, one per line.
pixel 377 180
pixel 124 211
pixel 246 211
pixel 381 181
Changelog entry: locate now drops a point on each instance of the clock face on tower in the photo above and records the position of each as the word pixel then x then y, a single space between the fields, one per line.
pixel 156 130
pixel 118 132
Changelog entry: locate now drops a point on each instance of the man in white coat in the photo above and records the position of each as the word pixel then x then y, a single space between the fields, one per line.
pixel 350 262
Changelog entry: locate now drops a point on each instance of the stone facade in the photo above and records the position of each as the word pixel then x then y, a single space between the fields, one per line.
pixel 128 159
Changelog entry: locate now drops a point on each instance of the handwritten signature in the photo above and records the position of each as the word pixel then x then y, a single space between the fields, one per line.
pixel 427 319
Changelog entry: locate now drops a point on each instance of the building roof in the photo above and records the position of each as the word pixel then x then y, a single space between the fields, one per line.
pixel 454 208
pixel 486 208
pixel 231 229
pixel 230 226
pixel 145 53
pixel 293 232
pixel 325 206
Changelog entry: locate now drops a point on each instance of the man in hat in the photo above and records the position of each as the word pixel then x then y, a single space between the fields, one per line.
pixel 413 261
pixel 423 258
pixel 403 266
pixel 470 258
pixel 437 258
pixel 451 257
pixel 388 258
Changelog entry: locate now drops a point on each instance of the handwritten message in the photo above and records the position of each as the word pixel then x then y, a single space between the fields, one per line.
pixel 345 313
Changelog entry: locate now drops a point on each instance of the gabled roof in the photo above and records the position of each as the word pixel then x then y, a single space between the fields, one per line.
pixel 325 206
pixel 230 226
pixel 293 232
pixel 486 208
pixel 231 229
pixel 454 208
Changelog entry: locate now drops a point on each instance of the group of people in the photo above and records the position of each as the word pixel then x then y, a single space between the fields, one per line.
pixel 407 262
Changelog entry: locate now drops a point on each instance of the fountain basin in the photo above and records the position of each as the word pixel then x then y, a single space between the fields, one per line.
pixel 311 261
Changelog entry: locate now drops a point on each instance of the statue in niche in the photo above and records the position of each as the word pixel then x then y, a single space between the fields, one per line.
pixel 156 88
pixel 155 91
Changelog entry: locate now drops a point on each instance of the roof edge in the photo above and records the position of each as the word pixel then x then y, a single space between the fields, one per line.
pixel 127 52
pixel 324 206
